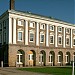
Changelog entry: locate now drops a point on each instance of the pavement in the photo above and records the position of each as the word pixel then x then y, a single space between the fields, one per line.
pixel 14 71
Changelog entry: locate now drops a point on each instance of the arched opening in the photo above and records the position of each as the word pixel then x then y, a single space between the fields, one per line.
pixel 52 58
pixel 42 58
pixel 67 58
pixel 32 58
pixel 20 58
pixel 60 58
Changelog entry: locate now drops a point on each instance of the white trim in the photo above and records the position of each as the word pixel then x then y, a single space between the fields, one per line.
pixel 66 56
pixel 71 39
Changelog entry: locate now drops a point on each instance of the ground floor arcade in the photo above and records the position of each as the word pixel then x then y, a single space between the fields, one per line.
pixel 21 56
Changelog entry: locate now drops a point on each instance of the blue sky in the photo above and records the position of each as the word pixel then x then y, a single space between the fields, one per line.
pixel 59 9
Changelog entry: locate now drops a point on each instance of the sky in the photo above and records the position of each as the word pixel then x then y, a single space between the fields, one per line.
pixel 60 9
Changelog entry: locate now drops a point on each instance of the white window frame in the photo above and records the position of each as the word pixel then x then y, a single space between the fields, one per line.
pixel 58 58
pixel 51 29
pixel 58 40
pixel 40 58
pixel 29 37
pixel 51 56
pixel 40 38
pixel 59 28
pixel 53 39
pixel 30 56
pixel 19 59
pixel 66 41
pixel 22 36
pixel 66 56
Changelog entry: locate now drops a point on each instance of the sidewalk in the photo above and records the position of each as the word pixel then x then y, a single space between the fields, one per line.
pixel 13 71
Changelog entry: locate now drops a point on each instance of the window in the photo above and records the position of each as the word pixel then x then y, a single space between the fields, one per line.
pixel 74 41
pixel 42 26
pixel 20 22
pixel 52 28
pixel 50 58
pixel 30 56
pixel 51 39
pixel 32 24
pixel 20 38
pixel 67 41
pixel 59 58
pixel 67 30
pixel 31 37
pixel 59 40
pixel 42 38
pixel 67 58
pixel 59 29
pixel 19 57
pixel 74 32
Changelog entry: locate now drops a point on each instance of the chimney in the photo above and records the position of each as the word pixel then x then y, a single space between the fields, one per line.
pixel 12 4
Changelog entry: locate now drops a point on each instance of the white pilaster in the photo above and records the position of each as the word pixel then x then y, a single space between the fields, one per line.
pixel 71 39
pixel 10 30
pixel 47 35
pixel 26 33
pixel 64 37
pixel 37 34
pixel 14 31
pixel 55 36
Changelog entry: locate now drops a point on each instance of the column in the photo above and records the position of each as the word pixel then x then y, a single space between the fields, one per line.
pixel 14 31
pixel 37 34
pixel 64 37
pixel 26 33
pixel 55 36
pixel 10 30
pixel 47 35
pixel 71 39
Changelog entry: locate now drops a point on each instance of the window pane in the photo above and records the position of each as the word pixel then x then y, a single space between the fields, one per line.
pixel 59 40
pixel 51 27
pixel 19 35
pixel 67 41
pixel 31 36
pixel 42 38
pixel 51 39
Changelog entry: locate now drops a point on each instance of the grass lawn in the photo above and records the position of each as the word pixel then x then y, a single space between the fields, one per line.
pixel 50 70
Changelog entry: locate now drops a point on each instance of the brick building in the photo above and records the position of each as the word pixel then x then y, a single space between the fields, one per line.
pixel 28 39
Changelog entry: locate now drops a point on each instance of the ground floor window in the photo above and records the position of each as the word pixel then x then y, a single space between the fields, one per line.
pixel 50 58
